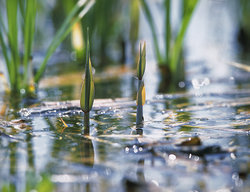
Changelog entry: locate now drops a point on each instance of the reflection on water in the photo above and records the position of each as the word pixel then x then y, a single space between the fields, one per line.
pixel 115 155
pixel 118 155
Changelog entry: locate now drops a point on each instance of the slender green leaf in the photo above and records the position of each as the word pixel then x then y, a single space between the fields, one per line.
pixel 86 105
pixel 11 7
pixel 87 92
pixel 2 26
pixel 142 61
pixel 4 50
pixel 191 4
pixel 168 33
pixel 64 30
pixel 150 20
pixel 134 20
pixel 30 17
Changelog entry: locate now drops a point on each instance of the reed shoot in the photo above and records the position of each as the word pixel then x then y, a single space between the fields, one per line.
pixel 141 89
pixel 87 90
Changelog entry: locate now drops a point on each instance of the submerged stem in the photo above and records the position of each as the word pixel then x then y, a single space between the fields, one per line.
pixel 139 112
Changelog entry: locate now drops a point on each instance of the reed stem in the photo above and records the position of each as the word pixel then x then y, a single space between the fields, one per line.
pixel 139 112
pixel 86 123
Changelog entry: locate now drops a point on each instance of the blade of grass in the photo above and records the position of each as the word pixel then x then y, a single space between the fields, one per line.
pixel 168 32
pixel 150 20
pixel 4 50
pixel 175 53
pixel 3 26
pixel 11 7
pixel 29 30
pixel 63 32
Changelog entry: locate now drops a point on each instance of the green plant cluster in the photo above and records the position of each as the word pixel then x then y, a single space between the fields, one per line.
pixel 87 90
pixel 173 42
pixel 21 16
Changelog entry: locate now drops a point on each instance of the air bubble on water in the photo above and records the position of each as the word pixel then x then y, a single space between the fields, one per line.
pixel 22 91
pixel 135 150
pixel 197 84
pixel 172 157
pixel 196 158
pixel 181 84
pixel 127 149
pixel 25 112
pixel 231 78
pixel 232 155
pixel 101 112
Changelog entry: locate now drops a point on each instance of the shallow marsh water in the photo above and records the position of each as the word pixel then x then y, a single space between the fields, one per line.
pixel 116 156
pixel 195 139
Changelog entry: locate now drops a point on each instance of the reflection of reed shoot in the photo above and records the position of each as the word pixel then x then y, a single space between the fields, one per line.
pixel 87 91
pixel 141 90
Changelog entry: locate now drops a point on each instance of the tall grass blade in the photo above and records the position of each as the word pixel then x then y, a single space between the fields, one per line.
pixel 134 20
pixel 29 30
pixel 190 7
pixel 150 20
pixel 4 50
pixel 11 7
pixel 62 33
pixel 168 33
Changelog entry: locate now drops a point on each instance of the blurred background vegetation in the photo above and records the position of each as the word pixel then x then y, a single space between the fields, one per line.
pixel 116 28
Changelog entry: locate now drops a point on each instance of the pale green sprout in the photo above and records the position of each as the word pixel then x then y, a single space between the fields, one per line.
pixel 141 89
pixel 87 90
pixel 142 61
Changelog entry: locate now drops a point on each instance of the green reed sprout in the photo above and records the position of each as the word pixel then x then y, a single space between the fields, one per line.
pixel 141 89
pixel 87 90
pixel 20 68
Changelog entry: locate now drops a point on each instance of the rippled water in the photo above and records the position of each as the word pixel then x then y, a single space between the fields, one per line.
pixel 197 139
pixel 116 156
